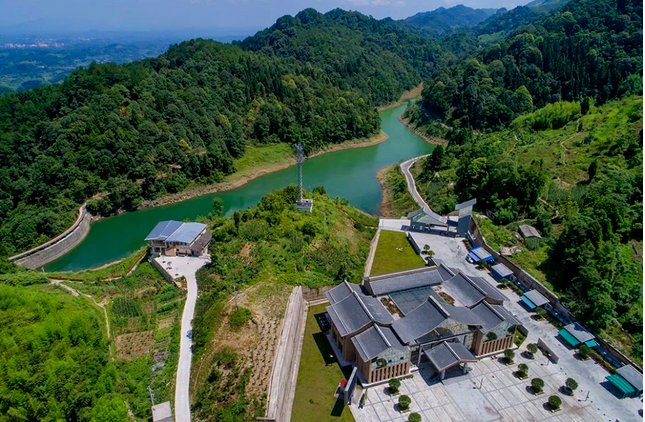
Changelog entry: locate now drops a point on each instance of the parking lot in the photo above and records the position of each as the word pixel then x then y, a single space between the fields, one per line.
pixel 492 391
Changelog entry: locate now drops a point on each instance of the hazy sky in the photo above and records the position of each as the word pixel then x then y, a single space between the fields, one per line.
pixel 184 14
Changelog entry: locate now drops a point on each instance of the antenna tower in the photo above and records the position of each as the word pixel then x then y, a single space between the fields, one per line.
pixel 299 158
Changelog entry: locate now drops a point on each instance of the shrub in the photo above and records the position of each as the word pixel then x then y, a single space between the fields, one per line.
pixel 555 402
pixel 537 385
pixel 509 355
pixel 240 317
pixel 394 385
pixel 414 417
pixel 532 348
pixel 540 313
pixel 584 352
pixel 571 384
pixel 404 402
pixel 491 336
pixel 522 370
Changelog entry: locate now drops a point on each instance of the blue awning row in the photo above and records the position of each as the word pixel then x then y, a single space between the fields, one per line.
pixel 528 302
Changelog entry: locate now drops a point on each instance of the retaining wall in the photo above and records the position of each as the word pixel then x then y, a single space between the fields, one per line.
pixel 284 374
pixel 532 284
pixel 58 246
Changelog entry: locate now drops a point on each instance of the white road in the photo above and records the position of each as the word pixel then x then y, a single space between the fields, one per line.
pixel 187 267
pixel 412 187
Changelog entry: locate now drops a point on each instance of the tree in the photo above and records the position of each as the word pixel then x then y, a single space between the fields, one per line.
pixel 394 384
pixel 522 100
pixel 540 313
pixel 537 384
pixel 522 370
pixel 508 356
pixel 555 402
pixel 110 408
pixel 414 417
pixel 571 384
pixel 404 402
pixel 491 336
pixel 218 206
pixel 585 105
pixel 532 347
pixel 593 169
pixel 584 351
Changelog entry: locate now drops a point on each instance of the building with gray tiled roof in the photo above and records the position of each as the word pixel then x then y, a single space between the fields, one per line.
pixel 396 321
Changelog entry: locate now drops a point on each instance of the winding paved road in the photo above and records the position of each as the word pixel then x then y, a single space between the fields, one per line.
pixel 187 267
pixel 412 187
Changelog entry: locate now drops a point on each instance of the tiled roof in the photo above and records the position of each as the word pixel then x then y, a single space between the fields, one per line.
pixel 384 286
pixel 448 354
pixel 421 321
pixel 374 341
pixel 536 297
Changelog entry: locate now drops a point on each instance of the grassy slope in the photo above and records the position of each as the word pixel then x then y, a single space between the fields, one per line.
pixel 397 201
pixel 144 312
pixel 264 261
pixel 318 377
pixel 394 253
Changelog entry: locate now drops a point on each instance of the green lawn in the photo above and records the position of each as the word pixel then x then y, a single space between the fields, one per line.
pixel 394 253
pixel 318 377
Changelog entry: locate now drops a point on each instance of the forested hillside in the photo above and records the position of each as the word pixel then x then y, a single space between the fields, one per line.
pixel 571 168
pixel 589 48
pixel 444 21
pixel 151 127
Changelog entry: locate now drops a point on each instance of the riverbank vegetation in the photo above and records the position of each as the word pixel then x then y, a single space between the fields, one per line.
pixel 262 253
pixel 397 201
pixel 121 134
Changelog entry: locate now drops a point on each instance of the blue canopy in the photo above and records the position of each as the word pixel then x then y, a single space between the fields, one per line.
pixel 528 302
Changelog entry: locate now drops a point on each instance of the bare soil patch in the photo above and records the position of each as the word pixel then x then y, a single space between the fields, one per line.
pixel 129 346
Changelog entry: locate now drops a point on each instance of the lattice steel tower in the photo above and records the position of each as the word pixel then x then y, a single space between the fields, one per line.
pixel 300 158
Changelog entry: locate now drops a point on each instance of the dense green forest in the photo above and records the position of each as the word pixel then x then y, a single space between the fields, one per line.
pixel 589 48
pixel 54 359
pixel 445 21
pixel 139 130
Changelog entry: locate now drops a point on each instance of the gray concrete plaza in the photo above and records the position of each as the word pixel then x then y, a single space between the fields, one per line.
pixel 502 395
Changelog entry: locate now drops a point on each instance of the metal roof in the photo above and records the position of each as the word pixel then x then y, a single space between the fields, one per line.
pixel 578 332
pixel 383 286
pixel 490 290
pixel 502 270
pixel 163 230
pixel 536 297
pixel 481 253
pixel 374 341
pixel 632 376
pixel 621 383
pixel 161 412
pixel 427 216
pixel 421 321
pixel 186 233
pixel 528 231
pixel 445 355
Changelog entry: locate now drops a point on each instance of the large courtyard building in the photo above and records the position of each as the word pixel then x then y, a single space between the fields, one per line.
pixel 437 316
pixel 174 238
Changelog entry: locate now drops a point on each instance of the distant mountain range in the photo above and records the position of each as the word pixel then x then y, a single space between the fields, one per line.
pixel 442 20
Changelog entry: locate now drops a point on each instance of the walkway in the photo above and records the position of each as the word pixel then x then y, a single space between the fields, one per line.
pixel 186 267
pixel 412 187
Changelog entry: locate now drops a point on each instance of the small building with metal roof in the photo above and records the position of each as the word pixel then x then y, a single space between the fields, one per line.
pixel 529 231
pixel 534 299
pixel 480 254
pixel 575 335
pixel 174 238
pixel 502 272
pixel 628 380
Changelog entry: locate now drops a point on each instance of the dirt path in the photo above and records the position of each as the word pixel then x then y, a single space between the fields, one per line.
pixel 76 293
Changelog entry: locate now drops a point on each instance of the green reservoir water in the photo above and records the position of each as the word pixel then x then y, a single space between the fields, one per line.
pixel 348 174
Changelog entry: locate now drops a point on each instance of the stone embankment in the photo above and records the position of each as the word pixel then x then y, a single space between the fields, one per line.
pixel 58 246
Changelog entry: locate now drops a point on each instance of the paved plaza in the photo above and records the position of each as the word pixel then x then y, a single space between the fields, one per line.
pixel 502 395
